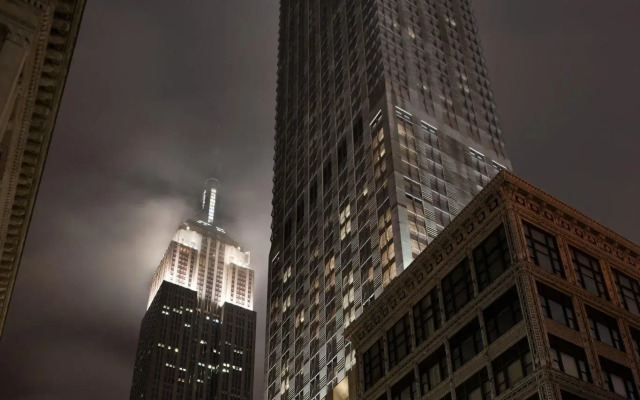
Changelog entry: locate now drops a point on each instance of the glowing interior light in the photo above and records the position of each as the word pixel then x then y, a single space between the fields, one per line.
pixel 212 206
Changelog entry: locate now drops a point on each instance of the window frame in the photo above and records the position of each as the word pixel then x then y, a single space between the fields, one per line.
pixel 491 314
pixel 426 315
pixel 594 268
pixel 492 257
pixel 407 382
pixel 436 359
pixel 547 294
pixel 452 286
pixel 399 338
pixel 600 324
pixel 459 341
pixel 610 368
pixel 369 370
pixel 633 287
pixel 518 353
pixel 535 249
pixel 479 380
pixel 559 347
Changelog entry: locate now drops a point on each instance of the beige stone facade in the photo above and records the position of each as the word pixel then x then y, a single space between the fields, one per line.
pixel 37 38
pixel 520 297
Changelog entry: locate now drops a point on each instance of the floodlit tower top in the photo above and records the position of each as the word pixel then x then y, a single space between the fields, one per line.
pixel 208 206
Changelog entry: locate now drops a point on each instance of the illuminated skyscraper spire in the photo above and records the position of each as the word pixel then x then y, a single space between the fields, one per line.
pixel 208 206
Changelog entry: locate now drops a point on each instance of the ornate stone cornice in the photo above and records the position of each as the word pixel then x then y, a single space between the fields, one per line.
pixel 53 43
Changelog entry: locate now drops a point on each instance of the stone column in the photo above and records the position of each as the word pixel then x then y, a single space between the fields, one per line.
pixel 13 53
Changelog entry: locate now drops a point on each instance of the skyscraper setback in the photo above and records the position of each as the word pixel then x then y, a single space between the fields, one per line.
pixel 197 338
pixel 385 130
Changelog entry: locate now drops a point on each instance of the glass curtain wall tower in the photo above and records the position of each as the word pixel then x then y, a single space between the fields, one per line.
pixel 385 129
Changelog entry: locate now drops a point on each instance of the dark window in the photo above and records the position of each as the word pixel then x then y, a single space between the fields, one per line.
pixel 313 194
pixel 635 340
pixel 604 328
pixel 373 365
pixel 287 229
pixel 358 131
pixel 491 258
pixel 446 397
pixel 570 396
pixel 457 288
pixel 618 379
pixel 534 397
pixel 4 32
pixel 300 213
pixel 433 370
pixel 399 341
pixel 383 397
pixel 403 390
pixel 557 306
pixel 543 249
pixel 589 273
pixel 465 344
pixel 629 292
pixel 426 316
pixel 502 315
pixel 478 387
pixel 512 365
pixel 342 153
pixel 327 175
pixel 569 358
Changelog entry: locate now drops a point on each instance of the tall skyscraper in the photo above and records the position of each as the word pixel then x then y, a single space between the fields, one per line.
pixel 385 130
pixel 37 40
pixel 197 338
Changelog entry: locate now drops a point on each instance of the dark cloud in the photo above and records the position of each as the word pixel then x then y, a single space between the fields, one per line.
pixel 163 94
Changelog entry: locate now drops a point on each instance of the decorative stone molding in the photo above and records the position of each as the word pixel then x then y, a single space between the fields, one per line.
pixel 51 45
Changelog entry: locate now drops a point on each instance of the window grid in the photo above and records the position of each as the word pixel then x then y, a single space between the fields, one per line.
pixel 478 387
pixel 618 379
pixel 589 273
pixel 457 288
pixel 569 358
pixel 557 306
pixel 512 366
pixel 604 328
pixel 491 258
pixel 426 316
pixel 502 315
pixel 465 344
pixel 372 364
pixel 399 341
pixel 628 292
pixel 433 370
pixel 543 249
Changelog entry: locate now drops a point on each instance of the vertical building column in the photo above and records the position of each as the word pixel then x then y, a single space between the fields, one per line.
pixel 13 54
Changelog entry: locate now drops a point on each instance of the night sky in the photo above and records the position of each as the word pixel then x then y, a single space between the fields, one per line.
pixel 163 94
